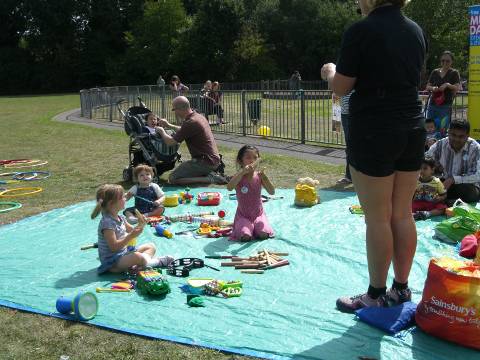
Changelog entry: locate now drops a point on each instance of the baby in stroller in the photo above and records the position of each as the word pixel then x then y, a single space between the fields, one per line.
pixel 151 123
pixel 146 147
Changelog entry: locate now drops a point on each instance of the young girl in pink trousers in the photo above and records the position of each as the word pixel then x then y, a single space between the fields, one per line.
pixel 250 219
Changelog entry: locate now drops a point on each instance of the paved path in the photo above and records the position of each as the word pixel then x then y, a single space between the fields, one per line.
pixel 310 152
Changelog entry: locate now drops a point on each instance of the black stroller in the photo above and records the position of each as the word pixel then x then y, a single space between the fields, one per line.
pixel 145 148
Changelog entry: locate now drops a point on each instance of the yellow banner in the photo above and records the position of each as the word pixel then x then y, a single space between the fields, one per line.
pixel 474 73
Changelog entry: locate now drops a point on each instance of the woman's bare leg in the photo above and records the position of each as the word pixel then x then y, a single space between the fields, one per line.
pixel 403 226
pixel 375 195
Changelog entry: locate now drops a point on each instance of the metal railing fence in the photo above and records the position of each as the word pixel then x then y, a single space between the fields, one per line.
pixel 303 116
pixel 269 85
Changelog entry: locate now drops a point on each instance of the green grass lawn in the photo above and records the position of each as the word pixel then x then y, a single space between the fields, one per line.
pixel 80 159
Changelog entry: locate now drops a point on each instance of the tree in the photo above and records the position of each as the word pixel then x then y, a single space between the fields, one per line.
pixel 303 34
pixel 15 61
pixel 150 43
pixel 103 37
pixel 251 57
pixel 445 23
pixel 52 37
pixel 206 49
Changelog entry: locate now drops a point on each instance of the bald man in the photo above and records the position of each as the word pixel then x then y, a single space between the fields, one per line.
pixel 196 132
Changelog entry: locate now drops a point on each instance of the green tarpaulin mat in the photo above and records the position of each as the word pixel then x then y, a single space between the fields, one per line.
pixel 288 312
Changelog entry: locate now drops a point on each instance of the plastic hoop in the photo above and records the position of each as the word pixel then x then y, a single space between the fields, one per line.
pixel 30 163
pixel 21 175
pixel 3 162
pixel 13 206
pixel 29 191
pixel 3 182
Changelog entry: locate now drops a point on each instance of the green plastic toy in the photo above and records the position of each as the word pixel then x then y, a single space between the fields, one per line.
pixel 152 282
pixel 195 301
pixel 356 210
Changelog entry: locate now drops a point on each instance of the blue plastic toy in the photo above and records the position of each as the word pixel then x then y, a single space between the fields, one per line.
pixel 163 231
pixel 84 305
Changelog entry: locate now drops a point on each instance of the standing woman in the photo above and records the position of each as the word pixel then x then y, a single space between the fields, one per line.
pixel 381 58
pixel 217 97
pixel 444 83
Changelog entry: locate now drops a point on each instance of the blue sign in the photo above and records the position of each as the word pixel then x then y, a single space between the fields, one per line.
pixel 475 25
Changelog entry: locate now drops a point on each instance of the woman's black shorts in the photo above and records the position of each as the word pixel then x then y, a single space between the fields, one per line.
pixel 381 152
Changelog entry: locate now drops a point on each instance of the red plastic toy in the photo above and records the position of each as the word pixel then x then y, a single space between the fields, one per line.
pixel 208 198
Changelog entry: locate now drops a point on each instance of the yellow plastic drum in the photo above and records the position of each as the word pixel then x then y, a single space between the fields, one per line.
pixel 171 200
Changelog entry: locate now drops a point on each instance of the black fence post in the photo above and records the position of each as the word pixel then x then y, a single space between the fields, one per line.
pixel 244 114
pixel 302 115
pixel 163 101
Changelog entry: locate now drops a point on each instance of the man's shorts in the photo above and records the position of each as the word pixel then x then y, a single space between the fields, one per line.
pixel 381 152
pixel 191 168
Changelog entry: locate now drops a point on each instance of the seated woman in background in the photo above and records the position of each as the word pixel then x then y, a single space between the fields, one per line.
pixel 176 85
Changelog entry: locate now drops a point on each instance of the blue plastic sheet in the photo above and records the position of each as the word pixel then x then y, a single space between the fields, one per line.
pixel 288 312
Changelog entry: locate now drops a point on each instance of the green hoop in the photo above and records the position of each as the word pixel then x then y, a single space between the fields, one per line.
pixel 13 206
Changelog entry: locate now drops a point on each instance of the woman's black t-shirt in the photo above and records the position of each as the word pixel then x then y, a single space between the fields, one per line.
pixel 452 76
pixel 385 52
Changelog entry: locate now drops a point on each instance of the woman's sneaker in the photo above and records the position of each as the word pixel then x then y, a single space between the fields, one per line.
pixel 350 304
pixel 397 297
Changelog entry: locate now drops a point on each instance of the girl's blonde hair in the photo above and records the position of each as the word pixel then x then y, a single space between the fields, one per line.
pixel 142 167
pixel 105 195
pixel 372 4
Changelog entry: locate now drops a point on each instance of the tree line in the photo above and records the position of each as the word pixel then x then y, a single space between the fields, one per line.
pixel 66 45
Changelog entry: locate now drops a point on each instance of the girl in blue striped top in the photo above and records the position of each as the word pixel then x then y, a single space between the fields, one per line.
pixel 114 234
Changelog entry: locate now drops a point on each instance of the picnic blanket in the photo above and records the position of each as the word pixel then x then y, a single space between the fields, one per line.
pixel 288 312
